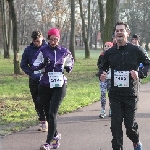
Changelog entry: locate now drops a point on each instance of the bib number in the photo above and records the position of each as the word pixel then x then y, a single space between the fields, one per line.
pixel 121 78
pixel 55 79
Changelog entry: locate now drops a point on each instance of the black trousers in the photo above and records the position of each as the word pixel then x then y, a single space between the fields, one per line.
pixel 33 85
pixel 51 99
pixel 123 109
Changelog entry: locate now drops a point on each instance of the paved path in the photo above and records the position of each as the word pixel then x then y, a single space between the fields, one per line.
pixel 83 130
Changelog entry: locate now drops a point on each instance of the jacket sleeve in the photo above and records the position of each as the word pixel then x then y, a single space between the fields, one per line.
pixel 145 60
pixel 25 66
pixel 105 64
pixel 69 63
pixel 100 61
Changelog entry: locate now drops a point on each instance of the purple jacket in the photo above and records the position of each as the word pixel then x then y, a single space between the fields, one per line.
pixel 58 57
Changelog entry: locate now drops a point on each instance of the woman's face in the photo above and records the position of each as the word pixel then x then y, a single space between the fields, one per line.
pixel 53 40
pixel 106 47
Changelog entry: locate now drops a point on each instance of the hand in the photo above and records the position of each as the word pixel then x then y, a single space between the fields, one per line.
pixel 134 74
pixel 35 77
pixel 103 76
pixel 46 61
pixel 142 73
pixel 67 68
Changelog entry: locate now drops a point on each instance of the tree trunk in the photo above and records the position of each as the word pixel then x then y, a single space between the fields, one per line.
pixel 101 11
pixel 116 11
pixel 72 34
pixel 4 29
pixel 85 39
pixel 109 22
pixel 15 38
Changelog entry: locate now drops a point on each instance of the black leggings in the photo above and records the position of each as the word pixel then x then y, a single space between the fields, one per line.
pixel 33 85
pixel 51 99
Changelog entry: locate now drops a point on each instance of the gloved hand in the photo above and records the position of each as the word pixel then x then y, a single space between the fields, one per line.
pixel 46 61
pixel 141 65
pixel 35 77
pixel 142 73
pixel 67 68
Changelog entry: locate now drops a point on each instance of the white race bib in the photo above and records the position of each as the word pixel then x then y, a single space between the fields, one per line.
pixel 121 78
pixel 56 79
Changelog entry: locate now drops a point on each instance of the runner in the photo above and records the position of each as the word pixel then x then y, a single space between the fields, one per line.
pixel 53 60
pixel 34 76
pixel 104 85
pixel 124 60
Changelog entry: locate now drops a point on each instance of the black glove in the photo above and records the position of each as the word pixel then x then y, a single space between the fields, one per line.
pixel 67 68
pixel 46 61
pixel 142 73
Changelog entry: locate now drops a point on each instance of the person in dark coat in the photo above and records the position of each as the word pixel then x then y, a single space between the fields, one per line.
pixel 34 76
pixel 124 60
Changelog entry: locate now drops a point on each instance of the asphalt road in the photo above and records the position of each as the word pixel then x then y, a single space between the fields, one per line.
pixel 84 130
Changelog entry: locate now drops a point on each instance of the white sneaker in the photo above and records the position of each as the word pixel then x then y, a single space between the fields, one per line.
pixel 102 114
pixel 43 126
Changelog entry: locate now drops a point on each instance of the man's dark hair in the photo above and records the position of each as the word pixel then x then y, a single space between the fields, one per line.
pixel 36 34
pixel 123 23
pixel 136 36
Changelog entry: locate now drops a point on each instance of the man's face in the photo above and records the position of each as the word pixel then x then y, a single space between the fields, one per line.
pixel 121 34
pixel 38 42
pixel 114 40
pixel 135 41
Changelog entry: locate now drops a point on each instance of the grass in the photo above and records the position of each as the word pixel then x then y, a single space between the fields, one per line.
pixel 16 105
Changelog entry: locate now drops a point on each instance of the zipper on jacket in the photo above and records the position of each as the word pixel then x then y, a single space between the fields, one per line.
pixel 55 60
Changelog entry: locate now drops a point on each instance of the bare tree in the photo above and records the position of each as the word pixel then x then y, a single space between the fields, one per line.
pixel 84 31
pixel 15 37
pixel 137 14
pixel 110 19
pixel 6 28
pixel 72 33
pixel 101 11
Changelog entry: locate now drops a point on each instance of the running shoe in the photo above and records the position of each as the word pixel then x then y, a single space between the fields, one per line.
pixel 45 146
pixel 102 114
pixel 55 142
pixel 137 146
pixel 43 126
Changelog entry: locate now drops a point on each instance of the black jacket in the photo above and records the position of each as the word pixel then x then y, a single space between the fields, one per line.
pixel 126 58
pixel 100 60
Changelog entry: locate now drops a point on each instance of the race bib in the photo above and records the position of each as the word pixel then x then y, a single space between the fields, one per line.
pixel 121 78
pixel 55 79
